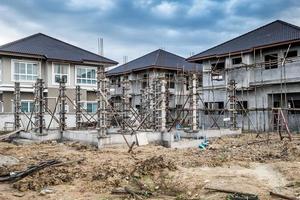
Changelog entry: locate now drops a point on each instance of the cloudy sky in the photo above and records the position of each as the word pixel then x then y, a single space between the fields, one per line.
pixel 135 27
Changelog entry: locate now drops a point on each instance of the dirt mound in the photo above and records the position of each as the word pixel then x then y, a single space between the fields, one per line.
pixel 153 164
pixel 48 177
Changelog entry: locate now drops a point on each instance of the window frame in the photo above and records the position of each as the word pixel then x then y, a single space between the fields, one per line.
pixel 218 73
pixel 53 74
pixel 28 103
pixel 85 105
pixel 85 67
pixel 13 61
pixel 271 64
pixel 234 58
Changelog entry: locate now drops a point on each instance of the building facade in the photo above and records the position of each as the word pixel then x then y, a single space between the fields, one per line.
pixel 249 79
pixel 41 56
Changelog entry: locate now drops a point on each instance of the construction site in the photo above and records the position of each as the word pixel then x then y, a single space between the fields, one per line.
pixel 218 125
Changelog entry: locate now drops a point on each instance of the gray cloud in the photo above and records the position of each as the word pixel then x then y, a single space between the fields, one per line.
pixel 135 27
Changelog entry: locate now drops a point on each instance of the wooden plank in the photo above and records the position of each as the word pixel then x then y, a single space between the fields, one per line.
pixel 2 137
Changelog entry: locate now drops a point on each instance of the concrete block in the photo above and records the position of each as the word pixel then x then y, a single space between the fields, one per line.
pixel 141 139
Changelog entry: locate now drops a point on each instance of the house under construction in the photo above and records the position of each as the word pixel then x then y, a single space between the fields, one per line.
pixel 252 81
pixel 160 87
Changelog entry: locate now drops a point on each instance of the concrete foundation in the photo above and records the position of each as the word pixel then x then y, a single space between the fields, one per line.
pixel 187 140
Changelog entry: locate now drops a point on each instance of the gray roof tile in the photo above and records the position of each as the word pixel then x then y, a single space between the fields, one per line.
pixel 272 33
pixel 156 59
pixel 51 48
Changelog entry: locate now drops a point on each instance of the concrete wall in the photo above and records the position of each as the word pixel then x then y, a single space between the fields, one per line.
pixel 261 84
pixel 46 73
pixel 136 80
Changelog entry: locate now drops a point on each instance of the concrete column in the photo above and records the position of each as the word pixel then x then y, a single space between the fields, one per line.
pixel 101 102
pixel 62 112
pixel 78 107
pixel 39 106
pixel 232 106
pixel 194 102
pixel 163 105
pixel 17 106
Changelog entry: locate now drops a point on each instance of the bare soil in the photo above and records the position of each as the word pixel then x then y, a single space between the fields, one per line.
pixel 243 163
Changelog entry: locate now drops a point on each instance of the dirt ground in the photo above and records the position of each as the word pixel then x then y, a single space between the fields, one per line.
pixel 242 163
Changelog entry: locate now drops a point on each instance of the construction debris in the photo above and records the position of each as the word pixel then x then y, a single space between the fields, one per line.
pixel 235 195
pixel 241 162
pixel 283 196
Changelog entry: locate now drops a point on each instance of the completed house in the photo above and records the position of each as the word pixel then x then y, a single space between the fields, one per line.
pixel 249 80
pixel 42 56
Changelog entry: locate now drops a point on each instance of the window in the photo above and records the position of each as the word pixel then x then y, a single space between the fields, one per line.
pixel 138 107
pixel 211 107
pixel 66 108
pixel 27 106
pixel 271 61
pixel 237 61
pixel 241 106
pixel 144 84
pixel 61 73
pixel 25 71
pixel 90 107
pixel 291 54
pixel 217 70
pixel 170 80
pixel 294 104
pixel 187 83
pixel 86 76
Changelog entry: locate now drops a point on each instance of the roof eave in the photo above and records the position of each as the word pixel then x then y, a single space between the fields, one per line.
pixel 18 54
pixel 145 68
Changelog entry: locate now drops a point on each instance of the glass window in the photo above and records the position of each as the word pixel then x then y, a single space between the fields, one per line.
pixel 61 73
pixel 91 107
pixel 25 71
pixel 86 76
pixel 27 106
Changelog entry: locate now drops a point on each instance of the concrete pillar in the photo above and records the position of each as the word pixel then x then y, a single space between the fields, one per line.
pixel 163 105
pixel 78 107
pixel 232 105
pixel 17 106
pixel 194 102
pixel 62 102
pixel 101 104
pixel 39 106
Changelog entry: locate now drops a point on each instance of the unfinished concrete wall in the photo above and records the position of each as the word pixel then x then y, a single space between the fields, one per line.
pixel 256 85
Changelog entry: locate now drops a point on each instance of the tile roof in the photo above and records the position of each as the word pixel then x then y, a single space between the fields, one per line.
pixel 156 59
pixel 51 48
pixel 273 33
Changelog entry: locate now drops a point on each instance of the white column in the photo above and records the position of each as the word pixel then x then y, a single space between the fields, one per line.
pixel 194 102
pixel 163 106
